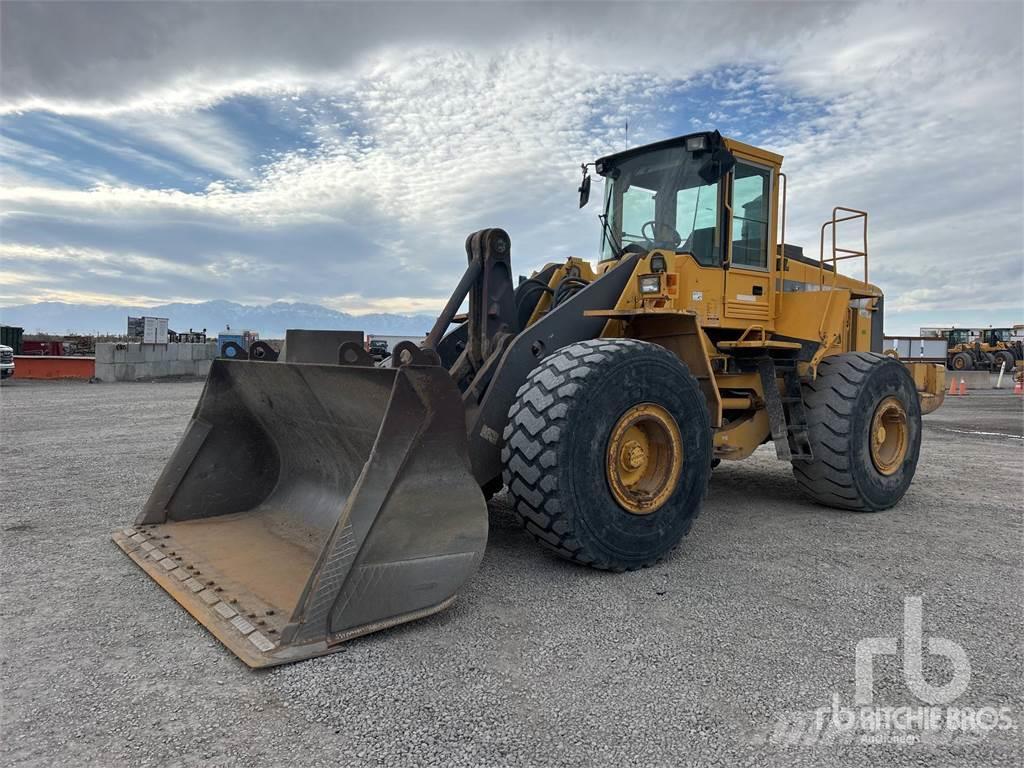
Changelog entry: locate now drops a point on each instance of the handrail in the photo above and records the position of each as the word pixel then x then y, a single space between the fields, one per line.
pixel 780 257
pixel 782 234
pixel 836 250
pixel 743 336
pixel 726 242
pixel 847 253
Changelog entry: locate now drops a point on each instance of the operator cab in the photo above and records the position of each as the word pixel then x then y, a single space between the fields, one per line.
pixel 674 195
pixel 958 336
pixel 995 335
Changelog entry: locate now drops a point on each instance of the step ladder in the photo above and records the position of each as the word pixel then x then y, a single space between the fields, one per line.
pixel 787 416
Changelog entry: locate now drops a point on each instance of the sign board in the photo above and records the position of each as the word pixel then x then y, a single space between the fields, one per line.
pixel 154 330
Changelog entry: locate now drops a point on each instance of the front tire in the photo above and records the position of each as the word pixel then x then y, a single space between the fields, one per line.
pixel 962 362
pixel 864 422
pixel 607 453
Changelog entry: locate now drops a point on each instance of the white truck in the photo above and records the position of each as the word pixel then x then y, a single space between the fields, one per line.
pixel 6 361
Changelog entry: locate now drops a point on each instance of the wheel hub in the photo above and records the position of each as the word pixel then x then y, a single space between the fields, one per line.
pixel 644 458
pixel 633 456
pixel 890 436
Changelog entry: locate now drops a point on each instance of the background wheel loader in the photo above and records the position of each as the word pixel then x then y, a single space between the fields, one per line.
pixel 986 349
pixel 309 503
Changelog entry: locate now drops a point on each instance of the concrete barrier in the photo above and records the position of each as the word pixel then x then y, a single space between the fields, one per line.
pixel 135 362
pixel 978 379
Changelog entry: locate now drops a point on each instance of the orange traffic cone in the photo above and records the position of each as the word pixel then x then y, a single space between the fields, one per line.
pixel 952 389
pixel 1018 387
pixel 963 387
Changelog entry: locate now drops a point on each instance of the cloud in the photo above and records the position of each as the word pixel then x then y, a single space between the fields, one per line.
pixel 340 153
pixel 415 157
pixel 104 57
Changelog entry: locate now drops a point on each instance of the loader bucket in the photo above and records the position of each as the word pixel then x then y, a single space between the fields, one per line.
pixel 309 504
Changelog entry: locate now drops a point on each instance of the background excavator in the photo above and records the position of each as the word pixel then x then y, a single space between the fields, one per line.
pixel 310 502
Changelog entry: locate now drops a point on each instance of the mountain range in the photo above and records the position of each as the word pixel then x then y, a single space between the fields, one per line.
pixel 270 321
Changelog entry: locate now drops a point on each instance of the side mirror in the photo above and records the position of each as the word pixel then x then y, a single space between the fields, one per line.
pixel 717 165
pixel 584 189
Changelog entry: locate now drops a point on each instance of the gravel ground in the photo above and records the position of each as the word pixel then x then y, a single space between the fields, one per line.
pixel 539 662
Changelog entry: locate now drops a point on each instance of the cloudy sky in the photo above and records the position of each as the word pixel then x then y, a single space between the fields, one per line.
pixel 340 153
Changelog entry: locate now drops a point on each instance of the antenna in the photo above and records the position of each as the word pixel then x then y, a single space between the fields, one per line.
pixel 625 136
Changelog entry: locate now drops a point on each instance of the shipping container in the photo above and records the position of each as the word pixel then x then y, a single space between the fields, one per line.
pixel 10 336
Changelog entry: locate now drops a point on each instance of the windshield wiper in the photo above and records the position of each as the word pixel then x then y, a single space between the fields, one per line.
pixel 608 236
pixel 608 233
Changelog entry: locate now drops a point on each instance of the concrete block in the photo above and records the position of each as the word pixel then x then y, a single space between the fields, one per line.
pixel 179 367
pixel 120 355
pixel 185 351
pixel 170 351
pixel 138 371
pixel 104 371
pixel 136 353
pixel 203 368
pixel 151 353
pixel 976 379
pixel 104 353
pixel 123 372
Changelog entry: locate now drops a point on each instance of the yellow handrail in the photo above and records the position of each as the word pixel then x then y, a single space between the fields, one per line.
pixel 760 328
pixel 847 253
pixel 782 235
pixel 836 250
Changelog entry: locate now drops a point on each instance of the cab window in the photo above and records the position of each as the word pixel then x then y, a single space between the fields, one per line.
pixel 696 219
pixel 751 195
pixel 637 210
pixel 658 199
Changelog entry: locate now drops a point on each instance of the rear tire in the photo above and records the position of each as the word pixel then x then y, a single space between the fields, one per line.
pixel 858 395
pixel 557 442
pixel 1003 356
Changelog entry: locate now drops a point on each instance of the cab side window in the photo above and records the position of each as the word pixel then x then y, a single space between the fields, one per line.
pixel 637 209
pixel 696 221
pixel 751 196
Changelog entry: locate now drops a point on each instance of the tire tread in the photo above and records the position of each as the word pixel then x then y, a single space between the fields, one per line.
pixel 533 431
pixel 828 477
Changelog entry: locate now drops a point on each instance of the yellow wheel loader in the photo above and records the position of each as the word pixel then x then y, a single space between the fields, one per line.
pixel 987 349
pixel 1002 349
pixel 320 496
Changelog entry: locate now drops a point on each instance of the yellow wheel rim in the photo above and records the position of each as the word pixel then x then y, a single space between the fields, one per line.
pixel 644 458
pixel 890 436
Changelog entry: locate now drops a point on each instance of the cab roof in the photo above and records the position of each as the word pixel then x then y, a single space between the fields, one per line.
pixel 714 141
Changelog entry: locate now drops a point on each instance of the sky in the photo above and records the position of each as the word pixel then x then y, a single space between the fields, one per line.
pixel 339 154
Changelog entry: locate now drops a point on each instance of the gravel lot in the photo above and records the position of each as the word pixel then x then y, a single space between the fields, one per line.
pixel 539 662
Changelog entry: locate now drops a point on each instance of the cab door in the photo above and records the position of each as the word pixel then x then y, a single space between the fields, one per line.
pixel 748 290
